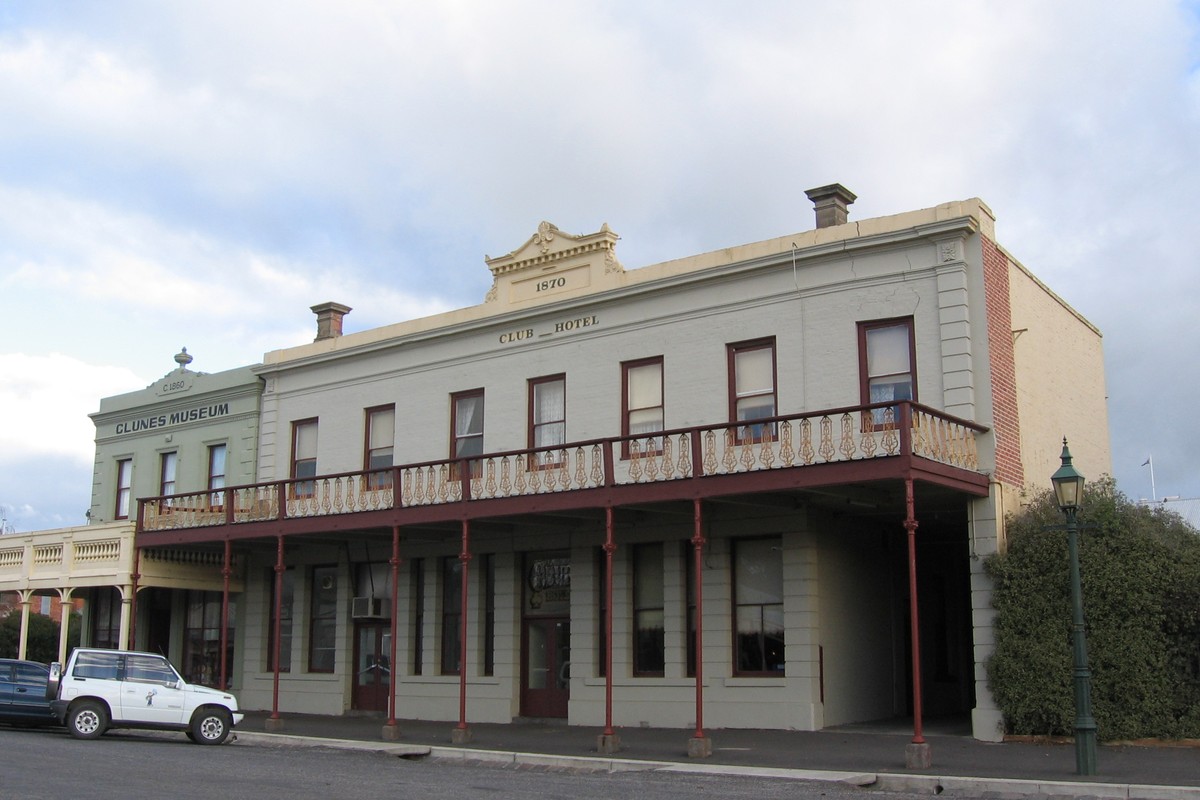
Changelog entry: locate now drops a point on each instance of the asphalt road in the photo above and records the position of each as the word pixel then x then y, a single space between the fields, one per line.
pixel 49 765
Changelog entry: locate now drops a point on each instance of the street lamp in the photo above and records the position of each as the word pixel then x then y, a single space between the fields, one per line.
pixel 1068 489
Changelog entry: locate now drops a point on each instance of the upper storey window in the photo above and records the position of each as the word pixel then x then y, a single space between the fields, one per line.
pixel 167 468
pixel 752 387
pixel 887 353
pixel 216 473
pixel 548 414
pixel 304 455
pixel 643 399
pixel 380 444
pixel 124 482
pixel 466 410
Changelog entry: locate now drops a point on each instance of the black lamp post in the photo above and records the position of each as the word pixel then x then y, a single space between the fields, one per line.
pixel 1068 489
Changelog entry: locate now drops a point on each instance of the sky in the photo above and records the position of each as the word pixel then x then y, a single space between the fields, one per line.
pixel 199 174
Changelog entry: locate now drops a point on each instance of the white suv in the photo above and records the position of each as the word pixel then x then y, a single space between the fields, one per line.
pixel 102 689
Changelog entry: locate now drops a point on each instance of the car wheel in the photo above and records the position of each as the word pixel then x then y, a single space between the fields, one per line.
pixel 211 726
pixel 87 720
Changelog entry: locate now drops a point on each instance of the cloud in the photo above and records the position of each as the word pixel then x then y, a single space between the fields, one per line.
pixel 201 174
pixel 46 400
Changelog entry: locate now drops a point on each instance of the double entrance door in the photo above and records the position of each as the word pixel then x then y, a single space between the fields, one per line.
pixel 546 667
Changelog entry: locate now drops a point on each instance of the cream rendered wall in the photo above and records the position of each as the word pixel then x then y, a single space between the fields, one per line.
pixel 115 439
pixel 688 316
pixel 1060 383
pixel 856 627
pixel 688 324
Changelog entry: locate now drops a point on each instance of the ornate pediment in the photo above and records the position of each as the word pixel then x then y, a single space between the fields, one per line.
pixel 552 263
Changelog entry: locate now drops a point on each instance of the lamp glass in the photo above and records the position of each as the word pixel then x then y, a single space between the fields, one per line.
pixel 1068 483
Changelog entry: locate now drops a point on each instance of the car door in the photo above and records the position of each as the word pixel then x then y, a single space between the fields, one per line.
pixel 150 691
pixel 29 691
pixel 7 688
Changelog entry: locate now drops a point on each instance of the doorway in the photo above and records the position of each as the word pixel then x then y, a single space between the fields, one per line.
pixel 372 665
pixel 546 634
pixel 546 667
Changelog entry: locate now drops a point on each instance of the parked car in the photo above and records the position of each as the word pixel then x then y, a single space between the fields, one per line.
pixel 23 692
pixel 103 689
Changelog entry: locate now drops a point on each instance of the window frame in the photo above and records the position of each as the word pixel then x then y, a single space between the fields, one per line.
pixel 746 433
pixel 450 571
pixel 168 472
pixel 302 485
pixel 653 444
pixel 738 671
pixel 287 618
pixel 601 611
pixel 208 631
pixel 639 607
pixel 865 328
pixel 487 579
pixel 418 615
pixel 689 606
pixel 545 459
pixel 456 440
pixel 124 494
pixel 321 621
pixel 378 480
pixel 216 480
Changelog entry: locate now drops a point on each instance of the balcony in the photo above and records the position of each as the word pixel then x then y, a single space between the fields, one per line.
pixel 100 555
pixel 857 444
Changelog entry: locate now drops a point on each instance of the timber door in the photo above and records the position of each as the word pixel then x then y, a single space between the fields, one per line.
pixel 372 665
pixel 546 667
pixel 546 635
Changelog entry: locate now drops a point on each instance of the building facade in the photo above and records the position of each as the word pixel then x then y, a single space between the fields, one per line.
pixel 748 488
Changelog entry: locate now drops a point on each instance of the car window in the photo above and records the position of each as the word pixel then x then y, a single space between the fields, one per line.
pixel 32 673
pixel 6 672
pixel 149 669
pixel 96 665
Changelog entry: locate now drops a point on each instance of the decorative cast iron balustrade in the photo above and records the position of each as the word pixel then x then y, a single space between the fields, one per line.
pixel 858 433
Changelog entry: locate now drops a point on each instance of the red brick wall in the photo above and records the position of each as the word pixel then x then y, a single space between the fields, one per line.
pixel 1006 419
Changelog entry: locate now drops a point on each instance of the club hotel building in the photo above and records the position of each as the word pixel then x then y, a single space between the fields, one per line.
pixel 748 488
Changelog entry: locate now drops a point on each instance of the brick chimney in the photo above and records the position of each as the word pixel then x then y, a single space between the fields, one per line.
pixel 830 203
pixel 329 320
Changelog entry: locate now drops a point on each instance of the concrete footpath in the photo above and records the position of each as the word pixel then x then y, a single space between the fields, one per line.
pixel 859 755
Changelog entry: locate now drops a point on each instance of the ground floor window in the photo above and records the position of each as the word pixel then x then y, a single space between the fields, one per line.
pixel 288 591
pixel 648 618
pixel 487 579
pixel 202 638
pixel 418 612
pixel 322 632
pixel 451 614
pixel 106 618
pixel 758 607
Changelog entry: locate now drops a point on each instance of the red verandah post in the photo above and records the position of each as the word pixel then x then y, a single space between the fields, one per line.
pixel 918 755
pixel 226 573
pixel 395 563
pixel 610 547
pixel 461 731
pixel 275 633
pixel 698 578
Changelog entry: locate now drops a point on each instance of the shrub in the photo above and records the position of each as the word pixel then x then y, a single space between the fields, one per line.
pixel 1140 574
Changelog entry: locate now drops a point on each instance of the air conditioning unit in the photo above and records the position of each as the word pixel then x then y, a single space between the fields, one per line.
pixel 367 608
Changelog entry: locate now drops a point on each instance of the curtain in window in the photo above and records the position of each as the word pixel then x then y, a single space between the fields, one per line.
pixel 468 426
pixel 549 413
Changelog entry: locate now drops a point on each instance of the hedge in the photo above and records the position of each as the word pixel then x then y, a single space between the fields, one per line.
pixel 1140 573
